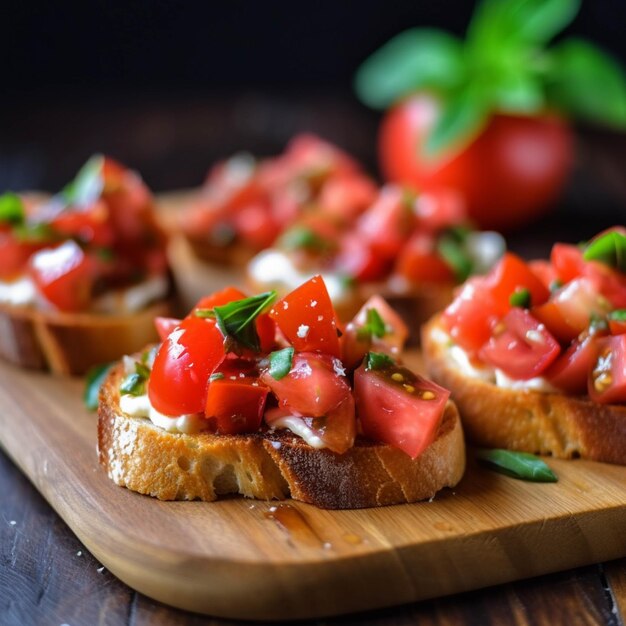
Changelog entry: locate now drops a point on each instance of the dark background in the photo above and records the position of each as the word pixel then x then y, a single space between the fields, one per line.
pixel 169 86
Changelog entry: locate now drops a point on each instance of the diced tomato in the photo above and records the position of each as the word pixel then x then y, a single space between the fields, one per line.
pixel 571 369
pixel 357 259
pixel 309 152
pixel 570 309
pixel 183 364
pixel 64 276
pixel 608 282
pixel 511 274
pixel 398 407
pixel 236 406
pixel 165 325
pixel 388 223
pixel 355 344
pixel 617 322
pixel 218 298
pixel 520 346
pixel 256 226
pixel 544 271
pixel 14 255
pixel 347 196
pixel 88 224
pixel 419 261
pixel 314 387
pixel 567 261
pixel 307 319
pixel 607 375
pixel 438 209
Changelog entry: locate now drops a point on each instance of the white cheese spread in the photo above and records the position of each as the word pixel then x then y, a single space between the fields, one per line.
pixel 139 406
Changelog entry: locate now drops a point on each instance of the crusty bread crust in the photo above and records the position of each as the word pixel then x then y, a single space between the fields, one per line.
pixel 532 421
pixel 273 465
pixel 70 343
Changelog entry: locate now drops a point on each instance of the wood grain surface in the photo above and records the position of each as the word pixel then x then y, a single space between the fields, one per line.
pixel 229 559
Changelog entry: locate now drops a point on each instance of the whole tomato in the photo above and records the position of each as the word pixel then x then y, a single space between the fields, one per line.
pixel 509 174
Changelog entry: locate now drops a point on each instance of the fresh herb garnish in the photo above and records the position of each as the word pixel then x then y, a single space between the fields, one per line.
pixel 609 249
pixel 597 323
pixel 302 238
pixel 504 65
pixel 374 326
pixel 281 362
pixel 521 298
pixel 135 383
pixel 33 233
pixel 619 315
pixel 236 319
pixel 520 465
pixel 216 376
pixel 93 381
pixel 451 248
pixel 87 185
pixel 11 208
pixel 378 361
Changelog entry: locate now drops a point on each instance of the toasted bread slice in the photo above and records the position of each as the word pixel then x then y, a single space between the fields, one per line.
pixel 70 343
pixel 531 421
pixel 271 465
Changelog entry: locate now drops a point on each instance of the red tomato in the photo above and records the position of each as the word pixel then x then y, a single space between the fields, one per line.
pixel 218 298
pixel 388 223
pixel 567 261
pixel 419 261
pixel 617 326
pixel 183 364
pixel 307 319
pixel 307 152
pixel 256 226
pixel 570 370
pixel 404 413
pixel 607 376
pixel 354 345
pixel 608 282
pixel 89 225
pixel 520 346
pixel 314 386
pixel 64 276
pixel 347 196
pixel 438 209
pixel 165 325
pixel 357 259
pixel 508 175
pixel 236 406
pixel 14 255
pixel 544 271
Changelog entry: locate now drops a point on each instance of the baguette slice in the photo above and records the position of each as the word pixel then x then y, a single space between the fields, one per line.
pixel 70 343
pixel 531 421
pixel 272 465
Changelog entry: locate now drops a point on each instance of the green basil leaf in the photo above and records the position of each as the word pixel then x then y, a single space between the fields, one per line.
pixel 93 381
pixel 142 369
pixel 33 233
pixel 463 117
pixel 587 83
pixel 237 319
pixel 374 325
pixel 281 362
pixel 517 465
pixel 619 315
pixel 88 184
pixel 520 298
pixel 299 237
pixel 517 92
pixel 11 209
pixel 378 361
pixel 134 385
pixel 412 60
pixel 609 249
pixel 453 252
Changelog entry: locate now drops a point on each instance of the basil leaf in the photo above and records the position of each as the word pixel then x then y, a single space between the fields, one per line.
pixel 33 233
pixel 517 465
pixel 463 117
pixel 374 326
pixel 11 208
pixel 378 361
pixel 453 252
pixel 587 83
pixel 237 319
pixel 134 385
pixel 518 92
pixel 609 249
pixel 281 362
pixel 520 298
pixel 93 381
pixel 619 315
pixel 88 184
pixel 299 238
pixel 412 60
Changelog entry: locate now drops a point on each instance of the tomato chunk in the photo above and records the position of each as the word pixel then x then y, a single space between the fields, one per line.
pixel 165 325
pixel 182 366
pixel 314 387
pixel 419 261
pixel 567 261
pixel 236 406
pixel 520 346
pixel 607 376
pixel 64 276
pixel 571 369
pixel 307 319
pixel 398 407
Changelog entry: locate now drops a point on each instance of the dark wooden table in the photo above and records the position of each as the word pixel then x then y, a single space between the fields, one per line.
pixel 46 575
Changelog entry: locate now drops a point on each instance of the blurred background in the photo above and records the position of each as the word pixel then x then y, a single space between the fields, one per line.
pixel 169 86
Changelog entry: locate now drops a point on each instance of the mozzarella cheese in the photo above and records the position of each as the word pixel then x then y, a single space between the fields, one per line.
pixel 140 406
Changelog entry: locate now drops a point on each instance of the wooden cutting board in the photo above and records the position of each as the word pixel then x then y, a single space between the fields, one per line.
pixel 240 559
